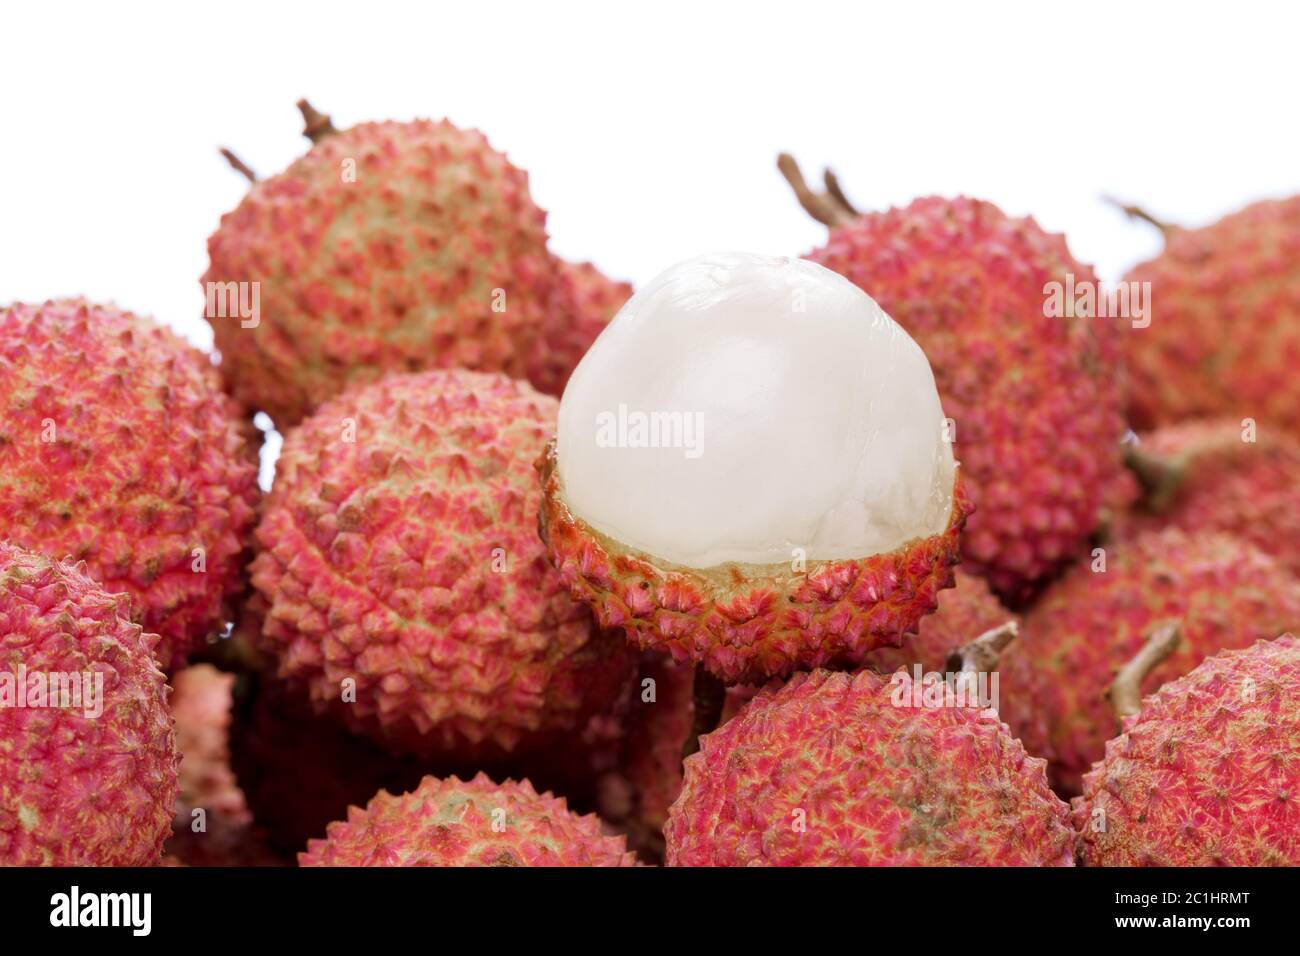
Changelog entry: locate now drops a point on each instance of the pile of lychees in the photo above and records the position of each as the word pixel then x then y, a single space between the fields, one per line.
pixel 850 559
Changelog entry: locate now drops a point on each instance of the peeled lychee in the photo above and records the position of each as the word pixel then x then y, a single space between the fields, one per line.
pixel 1222 593
pixel 751 471
pixel 402 583
pixel 87 749
pixel 1035 400
pixel 389 247
pixel 1224 338
pixel 1218 476
pixel 1206 772
pixel 118 448
pixel 832 770
pixel 585 300
pixel 475 823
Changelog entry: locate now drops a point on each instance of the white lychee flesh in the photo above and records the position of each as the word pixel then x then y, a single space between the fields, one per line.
pixel 755 410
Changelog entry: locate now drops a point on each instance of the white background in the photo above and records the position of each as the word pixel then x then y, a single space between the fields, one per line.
pixel 649 130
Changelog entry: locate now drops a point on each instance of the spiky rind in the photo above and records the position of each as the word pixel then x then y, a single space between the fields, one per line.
pixel 965 611
pixel 828 770
pixel 1207 773
pixel 388 247
pixel 1221 592
pixel 746 623
pixel 77 789
pixel 400 551
pixel 968 283
pixel 584 302
pixel 118 448
pixel 475 823
pixel 1224 338
pixel 1247 489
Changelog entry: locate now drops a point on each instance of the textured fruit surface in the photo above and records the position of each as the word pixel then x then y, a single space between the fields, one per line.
pixel 432 255
pixel 965 611
pixel 1034 399
pixel 829 771
pixel 584 302
pixel 79 788
pixel 399 549
pixel 1224 337
pixel 119 449
pixel 1222 592
pixel 476 823
pixel 1207 773
pixel 746 623
pixel 1247 489
pixel 223 834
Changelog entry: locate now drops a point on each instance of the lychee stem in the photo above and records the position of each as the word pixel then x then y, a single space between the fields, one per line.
pixel 238 165
pixel 1137 212
pixel 316 125
pixel 1160 478
pixel 836 192
pixel 710 695
pixel 1126 691
pixel 820 206
pixel 981 654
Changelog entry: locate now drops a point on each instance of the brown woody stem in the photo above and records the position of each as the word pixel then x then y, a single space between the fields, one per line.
pixel 1137 212
pixel 316 125
pixel 710 695
pixel 1126 691
pixel 836 192
pixel 981 654
pixel 820 206
pixel 238 165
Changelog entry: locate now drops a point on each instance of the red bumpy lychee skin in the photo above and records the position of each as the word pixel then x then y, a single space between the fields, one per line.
pixel 585 300
pixel 829 770
pixel 1218 482
pixel 388 247
pixel 118 448
pixel 1222 593
pixel 1224 338
pixel 1207 773
pixel 400 551
pixel 79 788
pixel 475 823
pixel 746 623
pixel 1034 399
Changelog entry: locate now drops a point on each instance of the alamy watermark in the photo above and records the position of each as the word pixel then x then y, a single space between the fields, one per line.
pixel 56 690
pixel 629 428
pixel 1088 299
pixel 234 300
pixel 936 689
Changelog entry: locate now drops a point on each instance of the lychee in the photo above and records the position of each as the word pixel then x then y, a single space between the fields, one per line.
pixel 1222 593
pixel 1220 476
pixel 751 471
pixel 1224 337
pixel 402 583
pixel 1206 771
pixel 836 769
pixel 388 247
pixel 476 823
pixel 87 748
pixel 118 448
pixel 585 300
pixel 1034 398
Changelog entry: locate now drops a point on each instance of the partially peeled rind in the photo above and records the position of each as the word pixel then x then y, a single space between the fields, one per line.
pixel 781 574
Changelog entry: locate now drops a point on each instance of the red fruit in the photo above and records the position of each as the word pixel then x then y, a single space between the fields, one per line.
pixel 119 449
pixel 585 301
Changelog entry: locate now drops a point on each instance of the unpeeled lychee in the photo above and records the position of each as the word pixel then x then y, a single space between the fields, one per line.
pixel 118 448
pixel 1220 476
pixel 1220 591
pixel 584 302
pixel 402 583
pixel 832 770
pixel 388 247
pixel 1224 338
pixel 87 770
pixel 750 471
pixel 467 823
pixel 1035 400
pixel 1206 772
